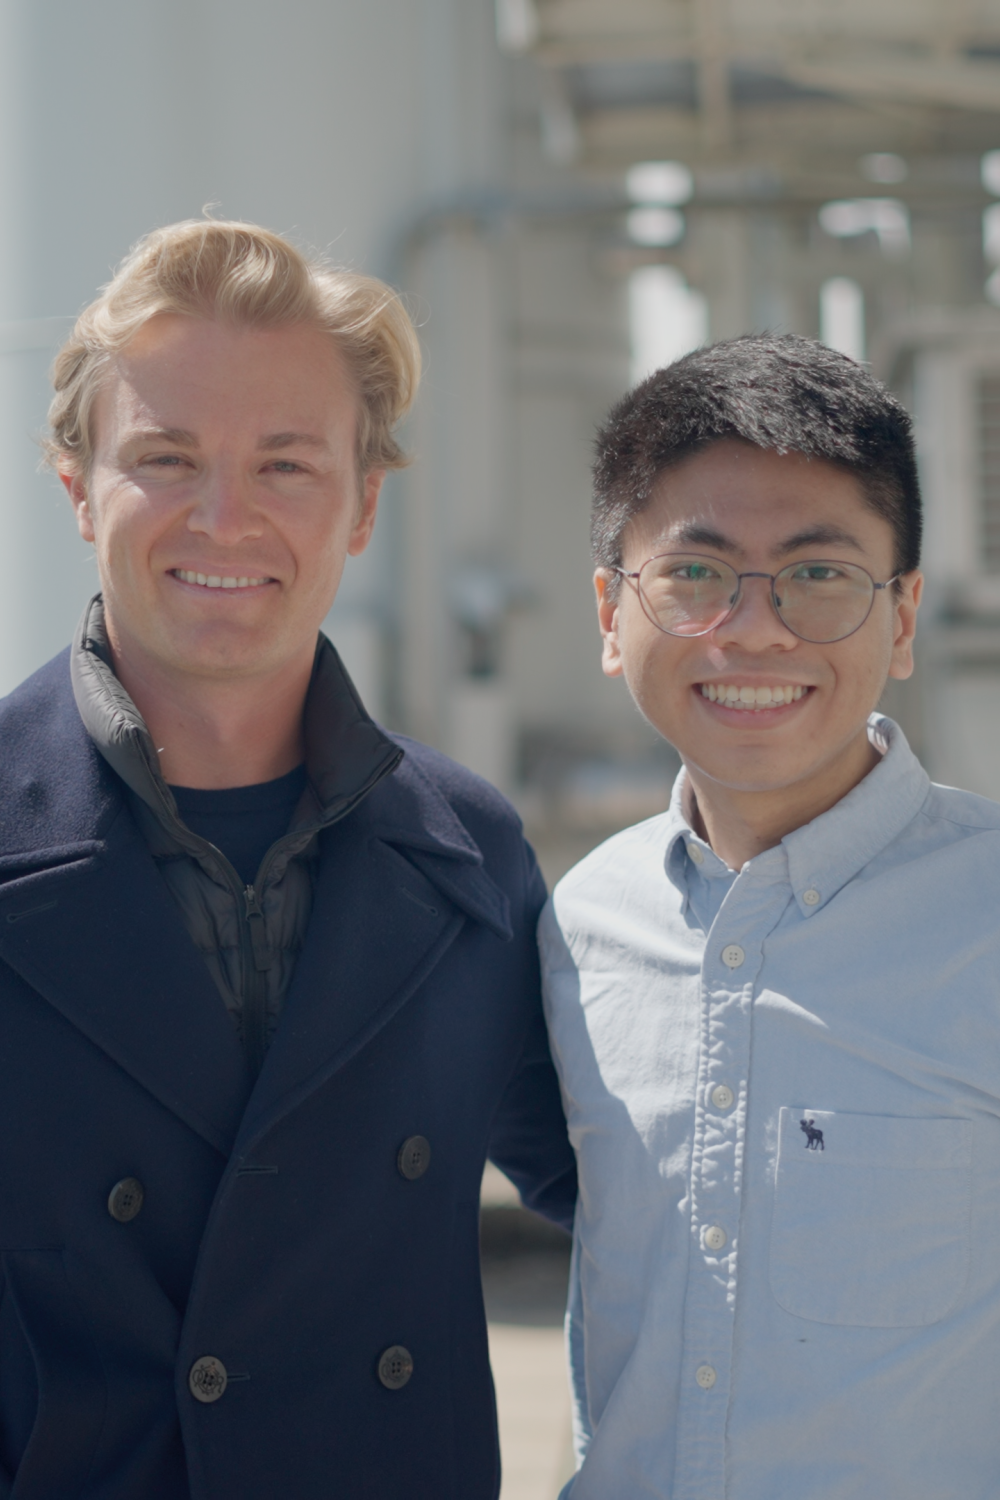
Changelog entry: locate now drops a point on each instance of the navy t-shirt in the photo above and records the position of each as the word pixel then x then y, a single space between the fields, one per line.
pixel 242 821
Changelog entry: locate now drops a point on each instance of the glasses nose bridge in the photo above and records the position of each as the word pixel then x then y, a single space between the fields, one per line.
pixel 738 595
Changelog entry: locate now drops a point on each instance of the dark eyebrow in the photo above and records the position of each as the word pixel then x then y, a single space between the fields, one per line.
pixel 696 535
pixel 818 536
pixel 291 440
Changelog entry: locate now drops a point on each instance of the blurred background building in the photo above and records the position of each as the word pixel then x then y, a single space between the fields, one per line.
pixel 570 193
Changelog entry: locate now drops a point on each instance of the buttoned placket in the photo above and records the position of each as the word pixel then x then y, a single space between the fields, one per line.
pixel 730 973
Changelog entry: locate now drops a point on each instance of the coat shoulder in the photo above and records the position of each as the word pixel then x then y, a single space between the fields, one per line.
pixel 55 789
pixel 476 803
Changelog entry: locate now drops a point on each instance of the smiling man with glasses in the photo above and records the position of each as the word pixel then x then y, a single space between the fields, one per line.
pixel 775 1008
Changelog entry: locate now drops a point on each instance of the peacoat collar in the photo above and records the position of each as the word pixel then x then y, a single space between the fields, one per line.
pixel 88 924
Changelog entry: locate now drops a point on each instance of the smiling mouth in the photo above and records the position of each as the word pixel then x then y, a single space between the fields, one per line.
pixel 218 580
pixel 752 699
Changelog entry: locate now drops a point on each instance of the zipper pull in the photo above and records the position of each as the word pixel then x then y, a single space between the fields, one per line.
pixel 262 955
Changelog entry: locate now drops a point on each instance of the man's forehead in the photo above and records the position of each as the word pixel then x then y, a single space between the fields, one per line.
pixel 180 378
pixel 732 496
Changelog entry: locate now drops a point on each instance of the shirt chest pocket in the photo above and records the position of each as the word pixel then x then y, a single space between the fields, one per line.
pixel 871 1217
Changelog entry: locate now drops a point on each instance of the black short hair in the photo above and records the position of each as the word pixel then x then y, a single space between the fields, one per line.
pixel 776 391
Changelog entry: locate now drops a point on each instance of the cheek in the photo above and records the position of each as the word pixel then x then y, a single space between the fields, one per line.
pixel 650 660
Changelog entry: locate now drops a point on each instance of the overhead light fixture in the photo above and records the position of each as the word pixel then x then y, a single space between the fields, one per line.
pixel 655 227
pixel 666 183
pixel 884 166
pixel 885 217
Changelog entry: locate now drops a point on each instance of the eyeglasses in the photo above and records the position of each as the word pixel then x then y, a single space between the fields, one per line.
pixel 685 594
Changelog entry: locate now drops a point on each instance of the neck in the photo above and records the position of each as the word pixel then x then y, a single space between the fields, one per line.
pixel 216 732
pixel 740 824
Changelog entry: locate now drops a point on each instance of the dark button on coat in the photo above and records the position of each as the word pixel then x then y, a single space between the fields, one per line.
pixel 277 1233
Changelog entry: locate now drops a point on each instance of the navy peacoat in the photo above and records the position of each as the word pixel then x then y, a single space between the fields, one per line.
pixel 280 1232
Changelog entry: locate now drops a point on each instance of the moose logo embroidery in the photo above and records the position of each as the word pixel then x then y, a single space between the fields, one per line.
pixel 814 1137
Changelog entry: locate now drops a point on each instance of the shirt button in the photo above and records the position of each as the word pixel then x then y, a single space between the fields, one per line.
pixel 811 897
pixel 715 1237
pixel 125 1199
pixel 732 955
pixel 207 1379
pixel 705 1376
pixel 414 1157
pixel 395 1367
pixel 696 854
pixel 722 1096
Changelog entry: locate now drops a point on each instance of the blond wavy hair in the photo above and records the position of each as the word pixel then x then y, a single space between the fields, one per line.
pixel 244 276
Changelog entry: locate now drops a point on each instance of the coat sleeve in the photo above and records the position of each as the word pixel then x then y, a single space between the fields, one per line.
pixel 528 1141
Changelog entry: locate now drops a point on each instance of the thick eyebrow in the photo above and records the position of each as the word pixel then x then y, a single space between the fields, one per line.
pixel 291 440
pixel 696 535
pixel 817 536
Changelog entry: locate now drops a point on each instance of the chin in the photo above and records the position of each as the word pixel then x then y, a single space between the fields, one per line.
pixel 754 778
pixel 226 654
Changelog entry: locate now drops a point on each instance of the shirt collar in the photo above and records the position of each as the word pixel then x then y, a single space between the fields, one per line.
pixel 822 856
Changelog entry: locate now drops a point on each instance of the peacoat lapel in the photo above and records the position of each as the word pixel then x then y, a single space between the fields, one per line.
pixel 398 880
pixel 87 922
pixel 90 926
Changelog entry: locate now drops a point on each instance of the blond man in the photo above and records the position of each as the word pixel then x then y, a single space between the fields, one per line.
pixel 267 975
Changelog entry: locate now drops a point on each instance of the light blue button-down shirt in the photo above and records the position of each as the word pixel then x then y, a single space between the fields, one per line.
pixel 783 1087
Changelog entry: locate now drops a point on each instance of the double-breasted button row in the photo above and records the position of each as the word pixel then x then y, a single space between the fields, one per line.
pixel 208 1376
pixel 126 1197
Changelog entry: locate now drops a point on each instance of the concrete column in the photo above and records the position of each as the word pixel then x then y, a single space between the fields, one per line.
pixel 454 695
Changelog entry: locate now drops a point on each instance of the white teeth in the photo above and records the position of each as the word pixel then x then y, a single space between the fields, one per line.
pixel 749 698
pixel 216 581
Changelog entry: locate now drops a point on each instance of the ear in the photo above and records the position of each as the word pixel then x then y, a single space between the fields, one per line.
pixel 906 605
pixel 364 521
pixel 77 492
pixel 607 618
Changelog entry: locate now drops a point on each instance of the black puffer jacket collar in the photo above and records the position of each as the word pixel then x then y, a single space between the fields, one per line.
pixel 347 754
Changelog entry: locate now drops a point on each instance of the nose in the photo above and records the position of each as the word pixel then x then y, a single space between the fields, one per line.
pixel 225 510
pixel 754 624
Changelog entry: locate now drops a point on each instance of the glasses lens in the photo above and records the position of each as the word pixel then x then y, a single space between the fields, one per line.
pixel 686 594
pixel 823 601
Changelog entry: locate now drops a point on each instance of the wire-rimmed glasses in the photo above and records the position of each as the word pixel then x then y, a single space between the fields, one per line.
pixel 686 594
